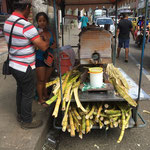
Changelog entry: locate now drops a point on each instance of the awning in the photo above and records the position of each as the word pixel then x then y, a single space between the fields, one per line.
pixel 86 4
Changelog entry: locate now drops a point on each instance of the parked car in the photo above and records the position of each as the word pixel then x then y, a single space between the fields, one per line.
pixel 98 13
pixel 104 21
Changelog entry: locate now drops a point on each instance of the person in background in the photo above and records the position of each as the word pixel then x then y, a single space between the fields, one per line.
pixel 22 60
pixel 84 21
pixel 140 26
pixel 123 33
pixel 42 70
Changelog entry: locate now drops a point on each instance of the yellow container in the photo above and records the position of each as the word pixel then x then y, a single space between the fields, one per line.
pixel 95 69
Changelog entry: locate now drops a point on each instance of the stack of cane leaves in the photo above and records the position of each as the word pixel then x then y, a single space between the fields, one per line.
pixel 104 115
pixel 120 84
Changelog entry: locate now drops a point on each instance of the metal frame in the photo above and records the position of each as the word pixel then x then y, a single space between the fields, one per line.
pixel 144 123
pixel 142 56
pixel 135 113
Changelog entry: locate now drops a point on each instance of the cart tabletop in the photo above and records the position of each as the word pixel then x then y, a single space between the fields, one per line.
pixel 97 96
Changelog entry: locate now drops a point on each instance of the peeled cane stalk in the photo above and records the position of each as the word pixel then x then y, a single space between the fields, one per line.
pixel 91 117
pixel 88 129
pixel 52 82
pixel 95 111
pixel 123 127
pixel 107 127
pixel 114 119
pixel 55 81
pixel 80 133
pixel 75 118
pixel 106 106
pixel 111 125
pixel 79 105
pixel 115 124
pixel 65 123
pixel 77 127
pixel 64 105
pixel 56 109
pixel 73 80
pixel 88 108
pixel 72 132
pixel 112 112
pixel 100 124
pixel 116 115
pixel 68 128
pixel 128 118
pixel 65 119
pixel 106 122
pixel 77 114
pixel 55 112
pixel 50 101
pixel 103 115
pixel 90 113
pixel 91 123
pixel 56 88
pixel 67 93
pixel 101 118
pixel 83 124
pixel 98 113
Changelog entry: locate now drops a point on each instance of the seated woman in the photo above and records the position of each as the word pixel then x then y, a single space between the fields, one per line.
pixel 42 70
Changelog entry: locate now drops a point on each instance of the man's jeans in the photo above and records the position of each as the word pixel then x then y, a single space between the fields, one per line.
pixel 25 92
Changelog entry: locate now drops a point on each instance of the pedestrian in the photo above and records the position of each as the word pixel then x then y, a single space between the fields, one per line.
pixel 123 32
pixel 84 21
pixel 22 60
pixel 43 71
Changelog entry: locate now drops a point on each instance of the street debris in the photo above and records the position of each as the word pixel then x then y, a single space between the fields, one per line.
pixel 145 111
pixel 138 145
pixel 96 146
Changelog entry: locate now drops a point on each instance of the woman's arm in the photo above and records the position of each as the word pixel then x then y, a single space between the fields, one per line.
pixel 43 45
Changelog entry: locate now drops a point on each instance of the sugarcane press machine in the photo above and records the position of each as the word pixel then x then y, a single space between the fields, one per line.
pixel 95 46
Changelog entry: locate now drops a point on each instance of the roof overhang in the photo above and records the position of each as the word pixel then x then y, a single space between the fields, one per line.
pixel 86 4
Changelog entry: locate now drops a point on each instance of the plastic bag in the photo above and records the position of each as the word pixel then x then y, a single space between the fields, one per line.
pixel 79 25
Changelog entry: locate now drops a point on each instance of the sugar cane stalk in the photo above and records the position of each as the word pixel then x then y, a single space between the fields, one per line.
pixel 83 124
pixel 98 113
pixel 88 129
pixel 50 101
pixel 72 133
pixel 90 113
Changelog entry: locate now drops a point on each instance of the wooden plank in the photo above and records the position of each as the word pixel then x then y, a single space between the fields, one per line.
pixel 95 40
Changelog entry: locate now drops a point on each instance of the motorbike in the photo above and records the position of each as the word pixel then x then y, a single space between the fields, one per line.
pixel 139 37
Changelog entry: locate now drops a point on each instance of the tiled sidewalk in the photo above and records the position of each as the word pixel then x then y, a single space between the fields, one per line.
pixel 3 45
pixel 3 49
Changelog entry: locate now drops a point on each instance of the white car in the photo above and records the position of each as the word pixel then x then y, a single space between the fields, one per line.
pixel 102 21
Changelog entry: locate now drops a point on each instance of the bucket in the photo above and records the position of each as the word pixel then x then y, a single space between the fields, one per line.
pixel 96 77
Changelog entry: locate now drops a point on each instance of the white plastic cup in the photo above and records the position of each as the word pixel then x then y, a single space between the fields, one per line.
pixel 96 79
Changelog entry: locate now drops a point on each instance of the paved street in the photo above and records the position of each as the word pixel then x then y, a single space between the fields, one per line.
pixel 134 139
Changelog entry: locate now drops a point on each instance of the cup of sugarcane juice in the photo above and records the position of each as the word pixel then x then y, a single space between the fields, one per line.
pixel 96 77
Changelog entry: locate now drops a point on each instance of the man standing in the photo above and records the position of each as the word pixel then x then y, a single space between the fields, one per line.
pixel 124 28
pixel 22 60
pixel 84 21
